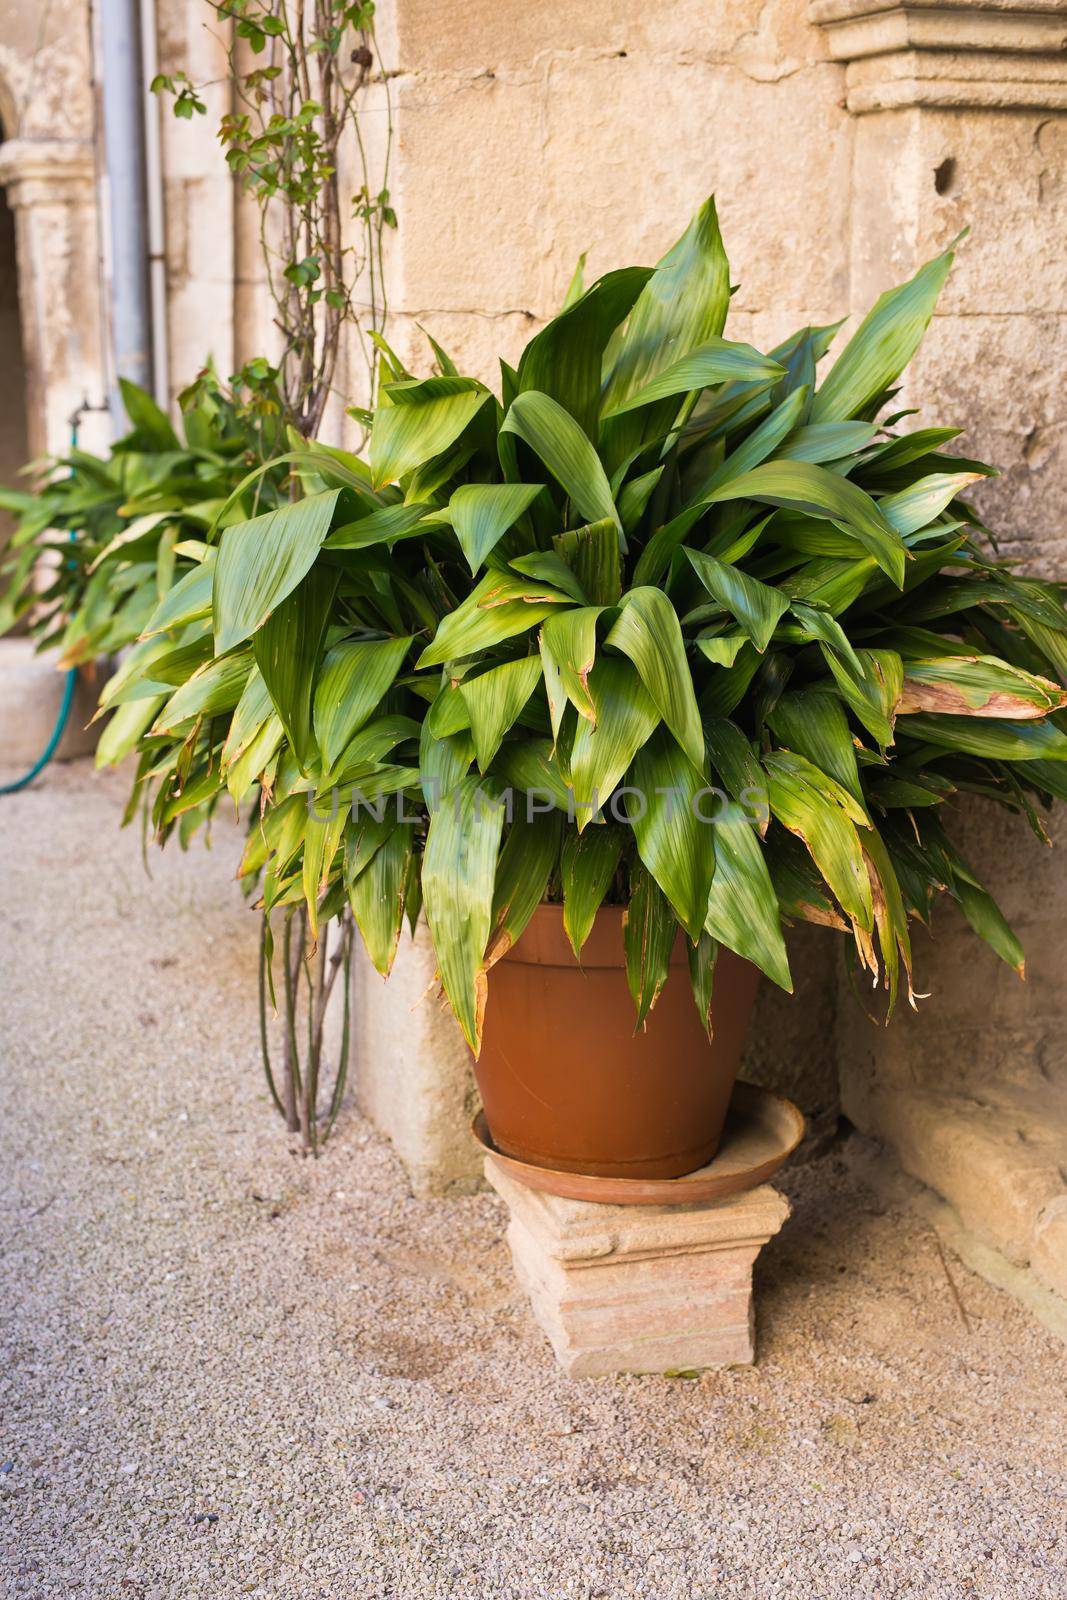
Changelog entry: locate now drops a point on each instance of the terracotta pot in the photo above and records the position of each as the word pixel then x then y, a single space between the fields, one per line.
pixel 566 1082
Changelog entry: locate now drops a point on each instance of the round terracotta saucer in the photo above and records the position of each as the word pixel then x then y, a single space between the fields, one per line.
pixel 762 1130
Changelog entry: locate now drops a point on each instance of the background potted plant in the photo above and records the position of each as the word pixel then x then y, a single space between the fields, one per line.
pixel 660 562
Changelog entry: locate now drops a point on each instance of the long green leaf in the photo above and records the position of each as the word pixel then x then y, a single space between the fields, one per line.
pixel 587 866
pixel 262 561
pixel 458 875
pixel 755 606
pixel 649 934
pixel 376 895
pixel 566 451
pixel 681 307
pixel 743 907
pixel 483 512
pixel 673 827
pixel 882 345
pixel 421 420
pixel 494 700
pixel 648 631
pixel 354 677
pixel 716 361
pixel 568 650
pixel 527 861
pixel 624 717
pixel 802 486
pixel 494 610
pixel 288 649
pixel 564 360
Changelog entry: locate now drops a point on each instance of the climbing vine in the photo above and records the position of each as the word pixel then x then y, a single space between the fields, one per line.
pixel 303 76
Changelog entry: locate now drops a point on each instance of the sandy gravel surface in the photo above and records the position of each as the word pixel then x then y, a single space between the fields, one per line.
pixel 226 1372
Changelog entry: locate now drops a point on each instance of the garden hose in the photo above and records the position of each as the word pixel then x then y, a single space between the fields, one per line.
pixel 67 701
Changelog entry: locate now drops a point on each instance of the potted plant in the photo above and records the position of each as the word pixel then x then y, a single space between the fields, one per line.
pixel 609 676
pixel 101 540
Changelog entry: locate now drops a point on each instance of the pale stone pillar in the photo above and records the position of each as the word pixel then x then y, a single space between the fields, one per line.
pixel 959 122
pixel 51 188
pixel 412 1069
pixel 639 1288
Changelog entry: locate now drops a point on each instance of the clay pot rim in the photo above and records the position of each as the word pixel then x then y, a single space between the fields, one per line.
pixel 544 943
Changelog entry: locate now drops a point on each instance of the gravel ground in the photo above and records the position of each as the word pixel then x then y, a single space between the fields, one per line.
pixel 228 1372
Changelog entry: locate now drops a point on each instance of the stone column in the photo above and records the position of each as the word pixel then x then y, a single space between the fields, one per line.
pixel 959 122
pixel 51 188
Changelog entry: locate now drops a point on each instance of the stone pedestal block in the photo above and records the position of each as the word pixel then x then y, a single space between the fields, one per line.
pixel 639 1288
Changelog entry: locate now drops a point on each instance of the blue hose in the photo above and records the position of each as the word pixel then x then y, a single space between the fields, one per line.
pixel 68 688
pixel 50 748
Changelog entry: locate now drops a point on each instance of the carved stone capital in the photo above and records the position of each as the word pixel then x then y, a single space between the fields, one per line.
pixel 47 172
pixel 998 54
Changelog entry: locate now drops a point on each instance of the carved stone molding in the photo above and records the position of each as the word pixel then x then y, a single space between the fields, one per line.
pixel 47 172
pixel 997 54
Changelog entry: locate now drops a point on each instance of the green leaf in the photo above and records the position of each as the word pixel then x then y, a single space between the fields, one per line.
pixel 253 710
pixel 702 958
pixel 823 816
pixel 422 419
pixel 213 688
pixel 124 729
pixel 814 725
pixel 882 345
pixel 801 486
pixel 592 554
pixel 991 739
pixel 673 829
pixel 723 648
pixel 547 567
pixel 288 648
pixel 756 606
pixel 990 924
pixel 564 360
pixel 188 601
pixel 365 834
pixel 384 526
pixel 458 875
pixel 568 651
pixel 603 749
pixel 261 562
pixel 829 441
pixel 533 768
pixel 735 762
pixel 495 699
pixel 587 866
pixel 483 512
pixel 873 692
pixel 377 893
pixel 527 861
pixel 762 442
pixel 153 429
pixel 566 451
pixel 716 361
pixel 649 934
pixel 498 608
pixel 743 907
pixel 354 677
pixel 634 496
pixel 648 631
pixel 912 508
pixel 322 837
pixel 681 307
